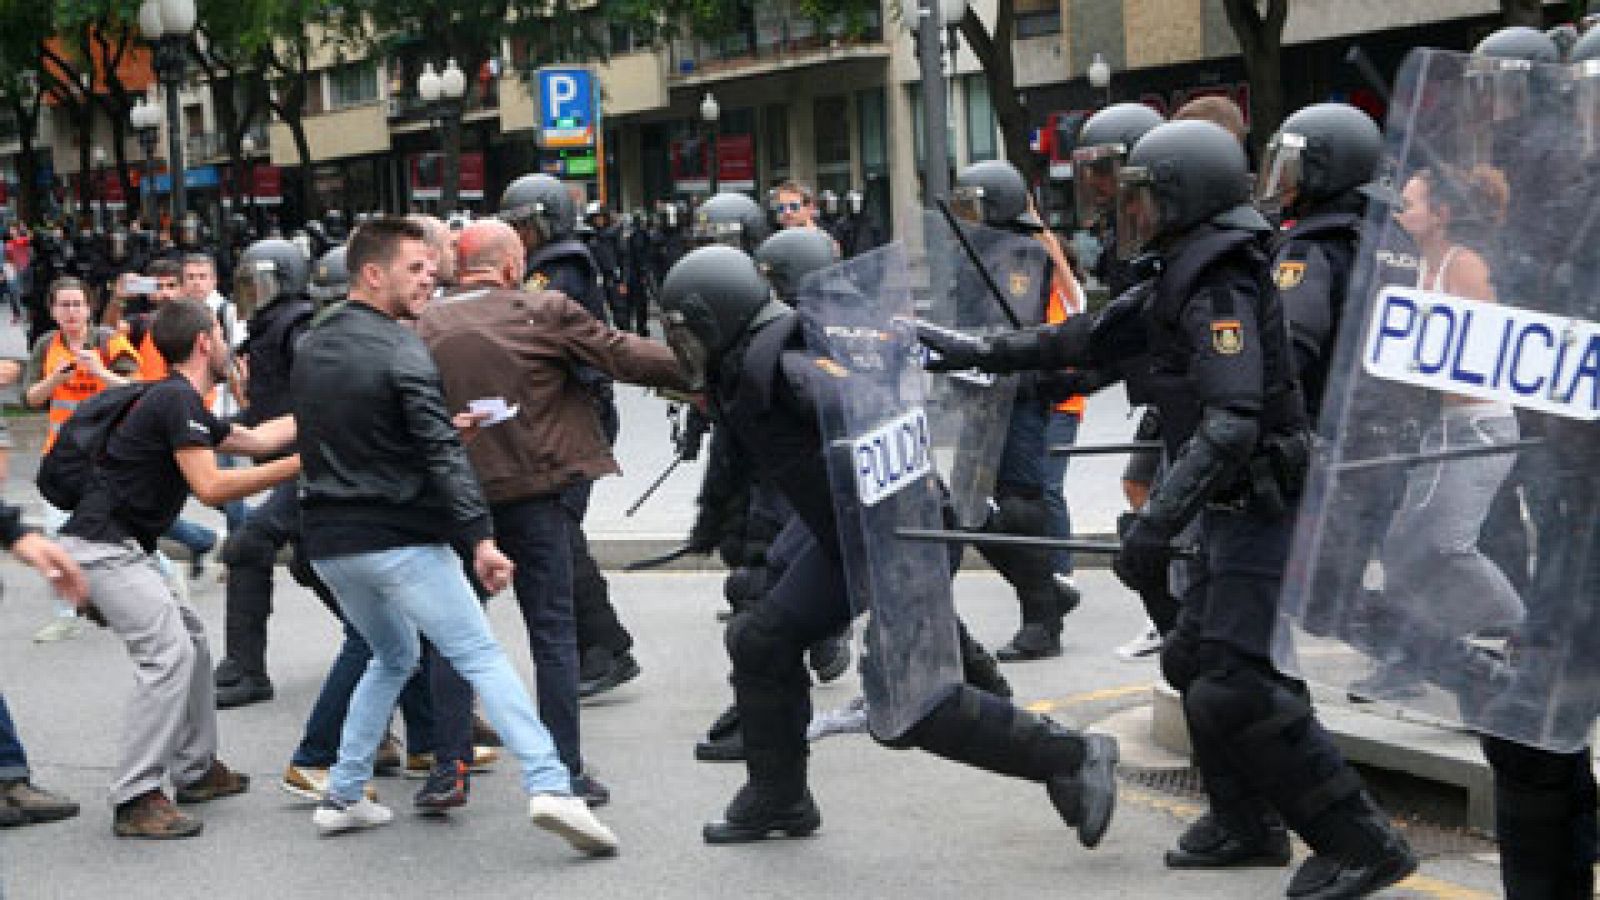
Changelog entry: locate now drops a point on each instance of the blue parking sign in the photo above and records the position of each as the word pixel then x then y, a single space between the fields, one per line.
pixel 568 109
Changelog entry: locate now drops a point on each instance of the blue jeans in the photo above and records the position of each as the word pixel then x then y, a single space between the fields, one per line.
pixel 319 746
pixel 1062 429
pixel 234 510
pixel 196 537
pixel 1022 459
pixel 13 761
pixel 391 596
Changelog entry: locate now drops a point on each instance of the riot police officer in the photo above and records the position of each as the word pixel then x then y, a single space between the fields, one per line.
pixel 995 194
pixel 749 351
pixel 270 284
pixel 330 278
pixel 545 217
pixel 1235 432
pixel 1103 144
pixel 605 246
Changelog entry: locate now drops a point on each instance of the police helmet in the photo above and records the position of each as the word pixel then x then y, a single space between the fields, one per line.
pixel 1519 42
pixel 1178 176
pixel 267 271
pixel 791 254
pixel 330 277
pixel 1318 154
pixel 993 193
pixel 732 219
pixel 708 299
pixel 541 201
pixel 1103 143
pixel 1587 48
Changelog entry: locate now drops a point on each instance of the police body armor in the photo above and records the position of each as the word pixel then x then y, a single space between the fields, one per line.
pixel 270 346
pixel 573 253
pixel 1311 267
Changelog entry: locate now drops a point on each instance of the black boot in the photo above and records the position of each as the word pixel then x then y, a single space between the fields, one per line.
pixel 1032 641
pixel 775 799
pixel 724 741
pixel 978 668
pixel 1357 852
pixel 830 657
pixel 1248 840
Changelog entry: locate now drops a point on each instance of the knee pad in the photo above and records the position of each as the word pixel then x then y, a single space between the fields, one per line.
pixel 761 645
pixel 1180 662
pixel 249 547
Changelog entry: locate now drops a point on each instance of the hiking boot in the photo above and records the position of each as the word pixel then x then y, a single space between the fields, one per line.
pixel 1324 877
pixel 569 817
pixel 247 690
pixel 1209 843
pixel 447 787
pixel 607 672
pixel 335 816
pixel 391 757
pixel 829 657
pixel 219 781
pixel 757 811
pixel 724 741
pixel 153 817
pixel 311 782
pixel 1086 798
pixel 30 805
pixel 420 765
pixel 1032 641
pixel 590 789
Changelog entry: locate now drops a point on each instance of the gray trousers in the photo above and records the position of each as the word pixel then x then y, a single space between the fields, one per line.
pixel 171 724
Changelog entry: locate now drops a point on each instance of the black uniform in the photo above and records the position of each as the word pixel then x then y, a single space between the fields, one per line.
pixel 567 266
pixel 641 277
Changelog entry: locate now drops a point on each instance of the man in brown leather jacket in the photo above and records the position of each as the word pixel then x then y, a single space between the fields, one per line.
pixel 491 340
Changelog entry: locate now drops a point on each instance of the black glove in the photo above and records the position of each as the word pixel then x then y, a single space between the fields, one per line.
pixel 1141 563
pixel 1055 387
pixel 953 351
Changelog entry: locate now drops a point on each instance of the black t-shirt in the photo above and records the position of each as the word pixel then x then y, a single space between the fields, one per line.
pixel 138 490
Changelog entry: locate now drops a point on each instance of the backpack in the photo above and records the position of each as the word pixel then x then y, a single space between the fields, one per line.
pixel 70 465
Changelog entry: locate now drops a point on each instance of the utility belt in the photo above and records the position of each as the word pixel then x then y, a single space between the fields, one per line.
pixel 1271 484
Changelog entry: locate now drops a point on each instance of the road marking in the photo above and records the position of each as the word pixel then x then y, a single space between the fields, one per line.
pixel 1048 706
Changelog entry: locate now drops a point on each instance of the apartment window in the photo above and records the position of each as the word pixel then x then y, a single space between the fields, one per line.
pixel 1037 17
pixel 980 120
pixel 352 85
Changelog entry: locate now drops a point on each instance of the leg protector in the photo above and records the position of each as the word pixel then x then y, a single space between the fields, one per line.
pixel 988 732
pixel 772 692
pixel 250 553
pixel 1544 819
pixel 1029 570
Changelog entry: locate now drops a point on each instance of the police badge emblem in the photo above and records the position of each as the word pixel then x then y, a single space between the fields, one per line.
pixel 1019 284
pixel 1226 337
pixel 1289 274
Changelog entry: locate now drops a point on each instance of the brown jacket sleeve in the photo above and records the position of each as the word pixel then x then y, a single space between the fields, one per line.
pixel 623 356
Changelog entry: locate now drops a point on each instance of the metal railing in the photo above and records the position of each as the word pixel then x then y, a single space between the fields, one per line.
pixel 778 31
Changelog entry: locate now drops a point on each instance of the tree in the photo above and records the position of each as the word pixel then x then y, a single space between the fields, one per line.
pixel 1258 24
pixel 993 49
pixel 21 95
pixel 1523 12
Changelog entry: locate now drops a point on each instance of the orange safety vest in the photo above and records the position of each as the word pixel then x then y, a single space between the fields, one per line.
pixel 153 366
pixel 81 386
pixel 1055 311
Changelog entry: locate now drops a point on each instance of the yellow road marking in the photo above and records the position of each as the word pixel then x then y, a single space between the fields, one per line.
pixel 1060 703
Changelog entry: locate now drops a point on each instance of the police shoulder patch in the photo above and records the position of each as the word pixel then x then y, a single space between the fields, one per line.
pixel 831 367
pixel 1227 337
pixel 1019 284
pixel 537 281
pixel 1289 274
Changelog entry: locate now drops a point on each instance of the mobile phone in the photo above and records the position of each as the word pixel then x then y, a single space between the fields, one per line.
pixel 140 284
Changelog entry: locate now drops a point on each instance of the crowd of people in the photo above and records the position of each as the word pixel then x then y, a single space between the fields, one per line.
pixel 428 406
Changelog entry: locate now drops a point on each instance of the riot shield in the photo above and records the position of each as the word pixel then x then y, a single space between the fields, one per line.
pixel 969 411
pixel 874 417
pixel 1446 557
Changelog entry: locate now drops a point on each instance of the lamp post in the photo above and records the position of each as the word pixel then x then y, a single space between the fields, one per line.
pixel 1100 77
pixel 927 19
pixel 711 114
pixel 146 120
pixel 101 222
pixel 247 146
pixel 443 93
pixel 166 24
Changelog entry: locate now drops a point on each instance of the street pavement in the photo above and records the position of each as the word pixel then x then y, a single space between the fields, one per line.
pixel 896 823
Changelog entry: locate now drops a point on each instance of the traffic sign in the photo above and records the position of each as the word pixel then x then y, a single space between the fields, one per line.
pixel 568 108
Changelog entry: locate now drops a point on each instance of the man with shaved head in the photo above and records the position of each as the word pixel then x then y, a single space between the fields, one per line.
pixel 495 341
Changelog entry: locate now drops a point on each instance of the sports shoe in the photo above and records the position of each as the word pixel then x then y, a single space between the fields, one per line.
pixel 569 817
pixel 219 781
pixel 591 790
pixel 59 628
pixel 1143 646
pixel 311 782
pixel 334 816
pixel 23 804
pixel 153 817
pixel 247 690
pixel 848 719
pixel 447 787
pixel 1032 641
pixel 604 671
pixel 483 734
pixel 420 765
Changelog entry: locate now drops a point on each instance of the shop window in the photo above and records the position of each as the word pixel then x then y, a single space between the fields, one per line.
pixel 353 85
pixel 980 120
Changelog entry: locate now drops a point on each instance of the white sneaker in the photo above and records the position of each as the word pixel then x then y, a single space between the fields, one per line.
pixel 59 628
pixel 849 719
pixel 1144 646
pixel 569 817
pixel 333 816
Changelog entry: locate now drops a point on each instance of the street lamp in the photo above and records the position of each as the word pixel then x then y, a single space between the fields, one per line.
pixel 166 24
pixel 146 120
pixel 1100 76
pixel 926 19
pixel 443 92
pixel 247 146
pixel 710 112
pixel 100 187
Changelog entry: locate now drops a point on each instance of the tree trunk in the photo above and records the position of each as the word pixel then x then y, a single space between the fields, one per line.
pixel 1261 43
pixel 999 66
pixel 1523 12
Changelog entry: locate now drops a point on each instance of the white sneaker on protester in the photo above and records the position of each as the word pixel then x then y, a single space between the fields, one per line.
pixel 569 817
pixel 849 719
pixel 335 816
pixel 1146 645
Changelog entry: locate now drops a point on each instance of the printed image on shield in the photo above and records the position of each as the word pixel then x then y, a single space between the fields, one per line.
pixel 1445 560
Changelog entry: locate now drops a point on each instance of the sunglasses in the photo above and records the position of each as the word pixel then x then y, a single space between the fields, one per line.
pixel 790 207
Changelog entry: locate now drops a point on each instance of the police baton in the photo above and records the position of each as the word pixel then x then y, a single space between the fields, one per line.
pixel 977 263
pixel 654 562
pixel 1105 449
pixel 962 536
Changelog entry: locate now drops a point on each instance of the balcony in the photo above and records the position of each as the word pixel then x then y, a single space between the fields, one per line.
pixel 778 33
pixel 404 105
pixel 209 145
